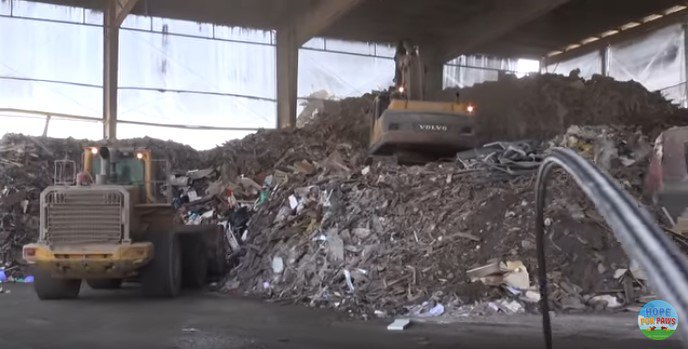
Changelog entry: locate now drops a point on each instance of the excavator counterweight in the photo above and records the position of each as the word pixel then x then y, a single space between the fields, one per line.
pixel 414 130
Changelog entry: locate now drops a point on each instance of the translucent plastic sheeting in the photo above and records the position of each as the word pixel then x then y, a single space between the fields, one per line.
pixel 199 139
pixel 175 62
pixel 79 129
pixel 676 94
pixel 35 9
pixel 466 71
pixel 5 7
pixel 51 97
pixel 24 124
pixel 589 65
pixel 195 109
pixel 364 48
pixel 167 25
pixel 52 51
pixel 466 77
pixel 342 75
pixel 480 61
pixel 656 60
pixel 160 61
pixel 244 34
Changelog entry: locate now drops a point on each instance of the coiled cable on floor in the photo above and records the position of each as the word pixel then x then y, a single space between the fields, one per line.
pixel 640 236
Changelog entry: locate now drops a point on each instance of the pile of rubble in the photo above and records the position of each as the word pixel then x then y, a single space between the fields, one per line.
pixel 543 106
pixel 339 131
pixel 387 239
pixel 26 168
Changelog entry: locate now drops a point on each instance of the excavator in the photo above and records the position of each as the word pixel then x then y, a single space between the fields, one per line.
pixel 409 128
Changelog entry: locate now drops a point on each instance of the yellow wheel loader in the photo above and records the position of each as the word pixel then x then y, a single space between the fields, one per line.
pixel 412 130
pixel 110 223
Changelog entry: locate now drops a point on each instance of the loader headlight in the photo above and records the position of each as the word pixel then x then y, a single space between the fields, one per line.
pixel 401 89
pixel 139 156
pixel 94 151
pixel 470 108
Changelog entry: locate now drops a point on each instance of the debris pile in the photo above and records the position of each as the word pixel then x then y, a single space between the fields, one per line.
pixel 26 168
pixel 338 137
pixel 542 106
pixel 386 239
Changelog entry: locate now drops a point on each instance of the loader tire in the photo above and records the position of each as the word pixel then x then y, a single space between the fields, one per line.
pixel 194 262
pixel 162 277
pixel 104 284
pixel 47 287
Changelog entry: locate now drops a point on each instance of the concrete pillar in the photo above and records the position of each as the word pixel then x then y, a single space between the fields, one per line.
pixel 685 61
pixel 110 68
pixel 287 60
pixel 434 75
pixel 606 54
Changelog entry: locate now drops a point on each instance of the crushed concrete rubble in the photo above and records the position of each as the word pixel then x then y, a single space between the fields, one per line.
pixel 310 222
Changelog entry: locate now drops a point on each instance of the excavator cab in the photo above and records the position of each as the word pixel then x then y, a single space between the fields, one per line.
pixel 412 130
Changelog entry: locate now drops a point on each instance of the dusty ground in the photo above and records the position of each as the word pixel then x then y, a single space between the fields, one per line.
pixel 122 319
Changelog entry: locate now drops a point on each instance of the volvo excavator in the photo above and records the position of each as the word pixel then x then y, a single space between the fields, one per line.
pixel 411 129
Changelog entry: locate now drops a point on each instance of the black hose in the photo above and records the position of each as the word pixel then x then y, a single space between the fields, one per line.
pixel 633 226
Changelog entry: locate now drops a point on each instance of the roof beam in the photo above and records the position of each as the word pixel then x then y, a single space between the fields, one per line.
pixel 615 35
pixel 122 9
pixel 313 22
pixel 485 29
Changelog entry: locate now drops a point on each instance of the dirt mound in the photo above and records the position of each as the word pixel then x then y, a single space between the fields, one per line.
pixel 342 126
pixel 543 106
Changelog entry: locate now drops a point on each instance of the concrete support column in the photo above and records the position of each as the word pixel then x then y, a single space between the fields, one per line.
pixel 685 62
pixel 606 54
pixel 113 15
pixel 287 60
pixel 110 68
pixel 434 73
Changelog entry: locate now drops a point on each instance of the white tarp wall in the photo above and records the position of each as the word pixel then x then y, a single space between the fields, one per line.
pixel 589 65
pixel 657 60
pixel 466 71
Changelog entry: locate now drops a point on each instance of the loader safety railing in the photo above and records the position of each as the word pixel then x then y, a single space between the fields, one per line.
pixel 640 236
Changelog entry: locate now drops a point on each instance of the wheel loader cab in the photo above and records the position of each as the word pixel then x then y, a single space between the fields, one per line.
pixel 129 167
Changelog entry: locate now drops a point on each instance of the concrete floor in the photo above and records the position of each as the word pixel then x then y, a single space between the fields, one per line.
pixel 122 319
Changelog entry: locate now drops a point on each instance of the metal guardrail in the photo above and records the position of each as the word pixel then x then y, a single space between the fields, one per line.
pixel 640 236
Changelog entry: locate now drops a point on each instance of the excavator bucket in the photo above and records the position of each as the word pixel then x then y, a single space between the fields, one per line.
pixel 421 131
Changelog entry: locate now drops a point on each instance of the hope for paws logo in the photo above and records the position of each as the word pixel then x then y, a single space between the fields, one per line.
pixel 657 320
